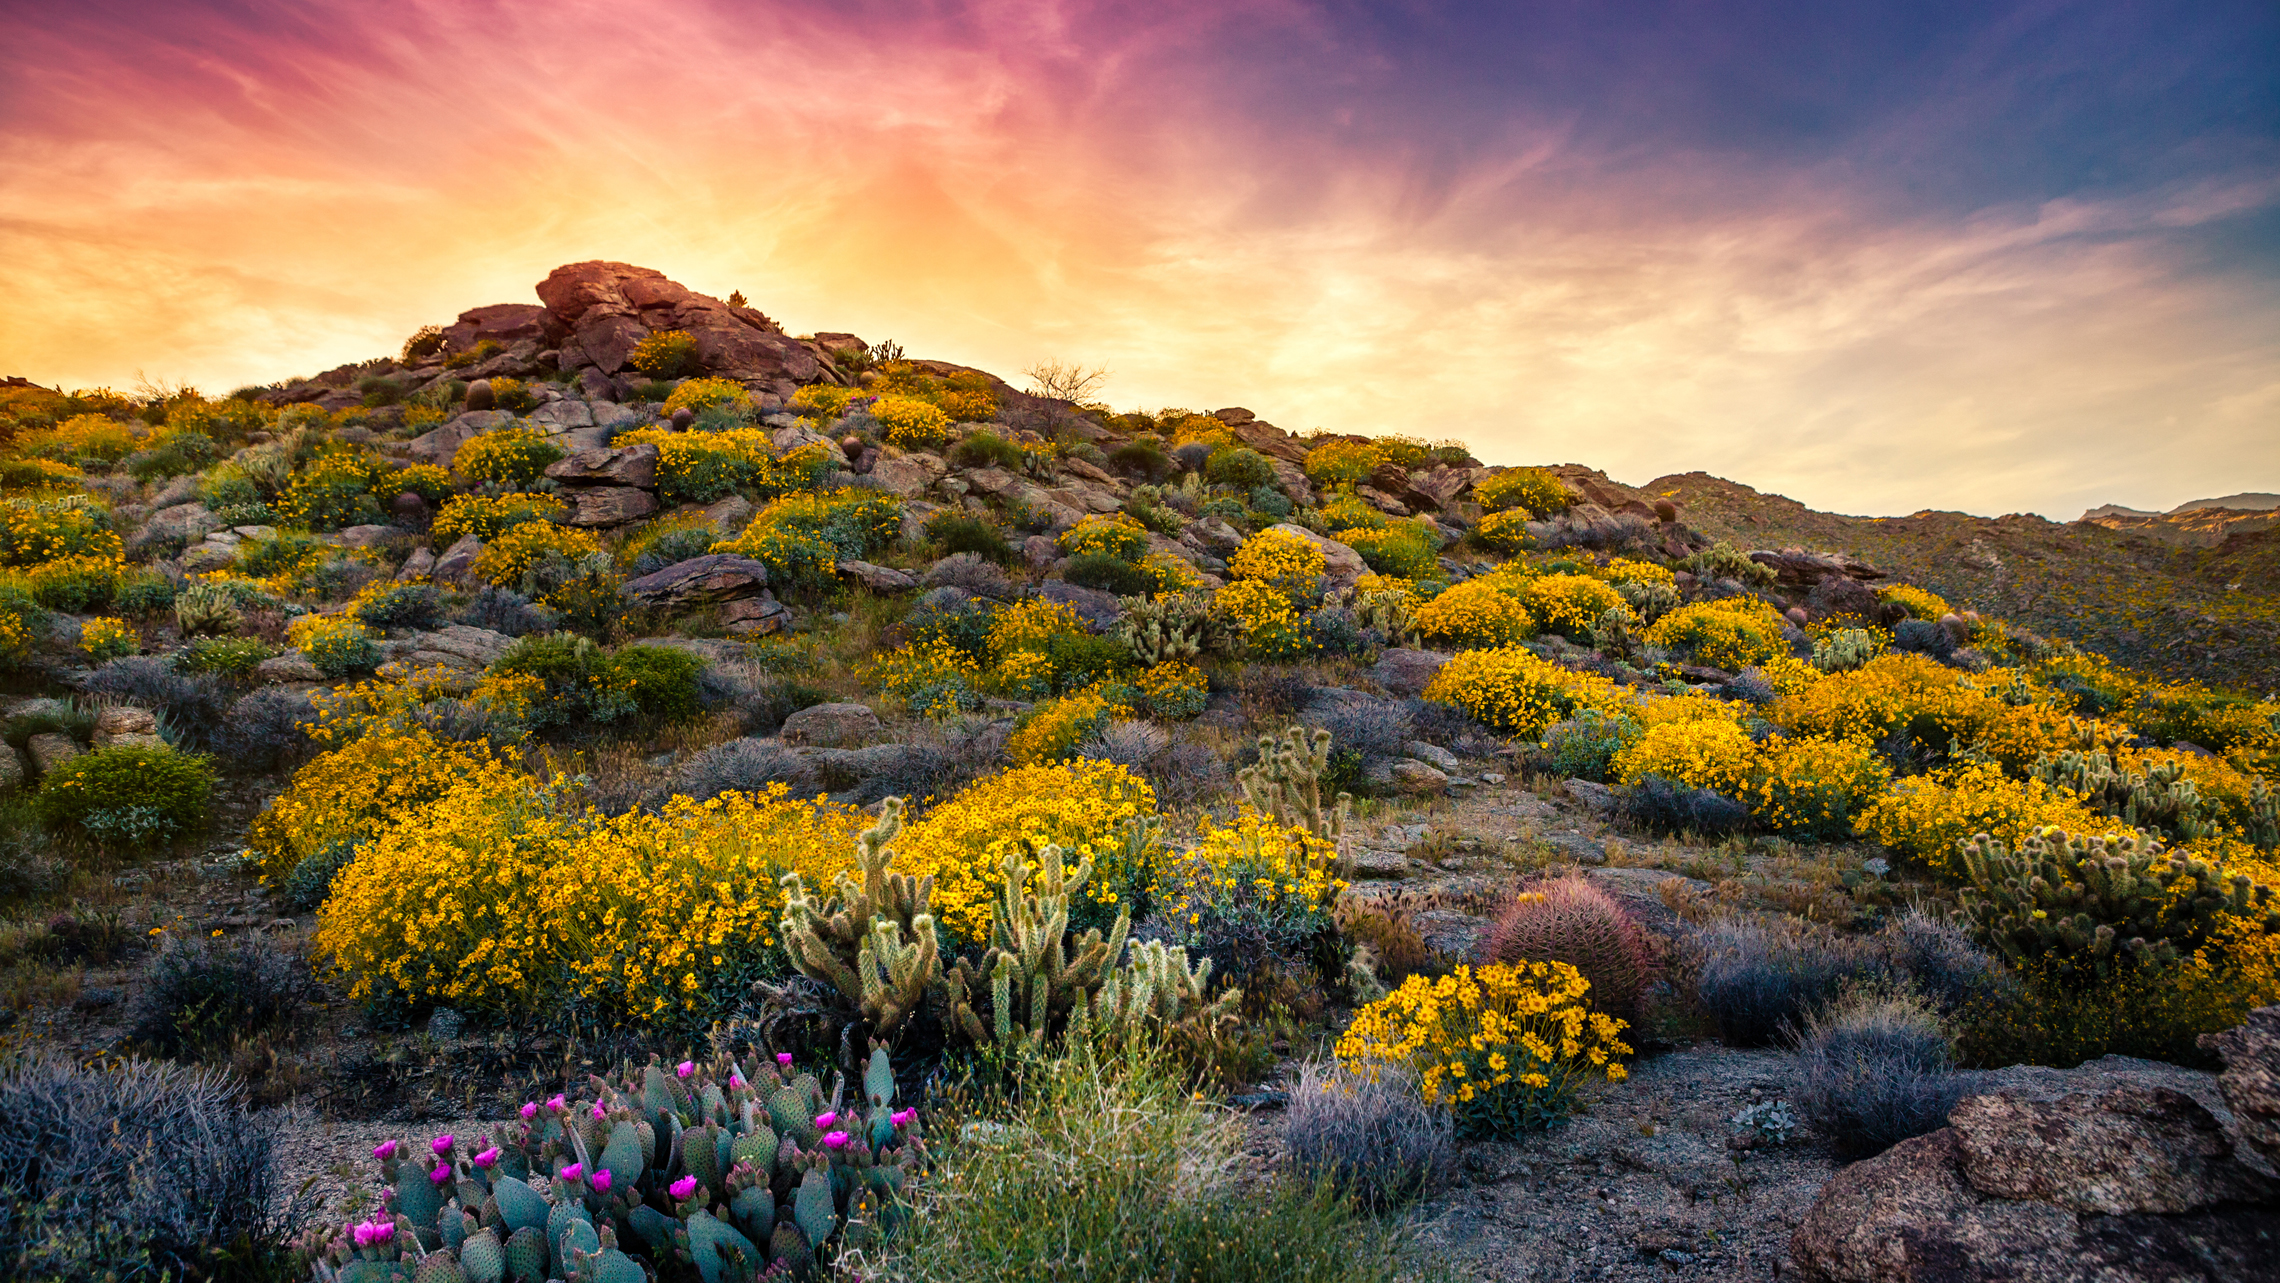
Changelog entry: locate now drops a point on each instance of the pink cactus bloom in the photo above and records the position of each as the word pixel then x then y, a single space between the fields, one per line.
pixel 360 1233
pixel 489 1158
pixel 599 1112
pixel 835 1140
pixel 441 1174
pixel 826 1120
pixel 601 1181
pixel 682 1188
pixel 558 1103
pixel 529 1110
pixel 441 1144
pixel 685 1068
pixel 903 1117
pixel 783 1058
pixel 385 1150
pixel 573 1171
pixel 736 1082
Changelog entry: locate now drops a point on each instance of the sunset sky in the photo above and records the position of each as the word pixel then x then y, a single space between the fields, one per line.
pixel 1879 257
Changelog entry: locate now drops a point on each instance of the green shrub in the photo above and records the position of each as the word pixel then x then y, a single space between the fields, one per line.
pixel 402 606
pixel 1080 659
pixel 261 558
pixel 987 450
pixel 135 796
pixel 511 457
pixel 142 593
pixel 335 491
pixel 954 532
pixel 665 354
pixel 224 656
pixel 585 683
pixel 1239 466
pixel 1108 574
pixel 1401 549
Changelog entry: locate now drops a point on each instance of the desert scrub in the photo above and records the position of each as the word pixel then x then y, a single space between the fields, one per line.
pixel 1568 604
pixel 700 395
pixel 1401 549
pixel 1052 731
pixel 1086 807
pixel 1282 876
pixel 795 558
pixel 1172 691
pixel 855 523
pixel 1513 691
pixel 931 678
pixel 1929 816
pixel 132 796
pixel 578 681
pixel 488 516
pixel 1815 788
pixel 337 644
pixel 339 488
pixel 198 994
pixel 1372 1138
pixel 1503 531
pixel 1267 619
pixel 1731 634
pixel 664 354
pixel 912 424
pixel 519 550
pixel 1875 1070
pixel 355 791
pixel 1114 535
pixel 1474 614
pixel 700 467
pixel 1341 462
pixel 1715 754
pixel 1288 563
pixel 1930 703
pixel 820 401
pixel 1531 490
pixel 36 530
pixel 509 457
pixel 103 639
pixel 1919 603
pixel 1505 1049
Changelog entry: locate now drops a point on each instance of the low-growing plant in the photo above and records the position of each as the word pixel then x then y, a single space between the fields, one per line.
pixel 510 457
pixel 1874 1070
pixel 1373 1138
pixel 1761 982
pixel 197 994
pixel 955 532
pixel 1523 489
pixel 136 794
pixel 664 354
pixel 581 682
pixel 337 644
pixel 488 516
pixel 104 639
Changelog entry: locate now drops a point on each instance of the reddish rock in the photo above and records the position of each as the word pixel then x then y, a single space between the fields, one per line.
pixel 716 576
pixel 608 308
pixel 595 506
pixel 633 465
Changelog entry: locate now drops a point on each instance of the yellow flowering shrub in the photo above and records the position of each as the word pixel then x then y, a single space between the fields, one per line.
pixel 1505 1048
pixel 911 423
pixel 706 393
pixel 513 457
pixel 75 583
pixel 1531 489
pixel 664 353
pixel 2015 735
pixel 795 558
pixel 1517 693
pixel 1270 622
pixel 1693 706
pixel 1172 691
pixel 1624 570
pixel 1341 462
pixel 105 638
pixel 820 401
pixel 1891 695
pixel 394 699
pixel 37 475
pixel 1787 674
pixel 1568 604
pixel 1053 730
pixel 426 480
pixel 1255 868
pixel 1814 787
pixel 1084 806
pixel 488 516
pixel 1031 625
pixel 1287 562
pixel 1024 674
pixel 1731 634
pixel 35 530
pixel 1918 602
pixel 1113 535
pixel 1505 531
pixel 680 909
pixel 1928 815
pixel 931 678
pixel 353 792
pixel 1170 575
pixel 84 436
pixel 1715 754
pixel 336 644
pixel 505 559
pixel 1474 614
pixel 700 467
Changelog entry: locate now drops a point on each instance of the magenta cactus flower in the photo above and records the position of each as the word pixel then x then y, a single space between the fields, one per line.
pixel 783 1058
pixel 573 1171
pixel 601 1181
pixel 825 1120
pixel 385 1150
pixel 835 1140
pixel 903 1117
pixel 682 1188
pixel 558 1103
pixel 488 1159
pixel 599 1111
pixel 441 1174
pixel 441 1144
pixel 736 1082
pixel 529 1110
pixel 685 1068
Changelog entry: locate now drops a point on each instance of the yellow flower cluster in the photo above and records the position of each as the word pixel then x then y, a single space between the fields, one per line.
pixel 353 792
pixel 1475 613
pixel 1271 624
pixel 1173 691
pixel 488 516
pixel 820 401
pixel 1053 730
pixel 1919 603
pixel 510 456
pixel 1341 462
pixel 1030 626
pixel 36 530
pixel 1515 692
pixel 1172 575
pixel 1114 535
pixel 911 423
pixel 1731 634
pixel 507 558
pixel 1287 562
pixel 1704 753
pixel 107 638
pixel 1528 489
pixel 336 644
pixel 705 393
pixel 1505 531
pixel 1505 1048
pixel 1082 805
pixel 395 702
pixel 932 678
pixel 1254 861
pixel 84 436
pixel 1623 570
pixel 1928 815
pixel 1568 604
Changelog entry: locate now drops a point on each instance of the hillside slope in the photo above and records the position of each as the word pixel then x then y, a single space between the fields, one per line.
pixel 2154 600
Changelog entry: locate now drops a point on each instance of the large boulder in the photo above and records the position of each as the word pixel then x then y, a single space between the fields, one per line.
pixel 1407 672
pixel 504 323
pixel 831 725
pixel 440 443
pixel 714 577
pixel 608 308
pixel 2131 1177
pixel 632 465
pixel 2251 1080
pixel 594 506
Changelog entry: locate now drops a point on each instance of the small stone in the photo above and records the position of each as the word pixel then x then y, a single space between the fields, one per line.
pixel 877 578
pixel 1434 754
pixel 1491 777
pixel 445 1024
pixel 1596 796
pixel 1418 778
pixel 1381 864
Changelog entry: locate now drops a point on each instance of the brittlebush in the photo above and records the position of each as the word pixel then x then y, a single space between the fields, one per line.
pixel 1505 1049
pixel 1474 614
pixel 1518 693
pixel 1082 805
pixel 1927 816
pixel 353 792
pixel 1731 634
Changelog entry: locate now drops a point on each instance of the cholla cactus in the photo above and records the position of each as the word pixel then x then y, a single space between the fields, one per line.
pixel 1035 978
pixel 875 942
pixel 740 1171
pixel 1174 628
pixel 1287 785
pixel 1650 599
pixel 1390 613
pixel 2160 798
pixel 2087 904
pixel 1613 637
pixel 1845 649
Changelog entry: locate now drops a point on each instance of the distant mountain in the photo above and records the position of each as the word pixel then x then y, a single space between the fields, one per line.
pixel 2242 502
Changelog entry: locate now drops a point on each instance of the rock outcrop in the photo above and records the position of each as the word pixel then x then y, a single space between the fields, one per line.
pixel 605 309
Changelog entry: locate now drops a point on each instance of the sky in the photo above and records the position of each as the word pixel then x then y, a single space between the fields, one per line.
pixel 1991 257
